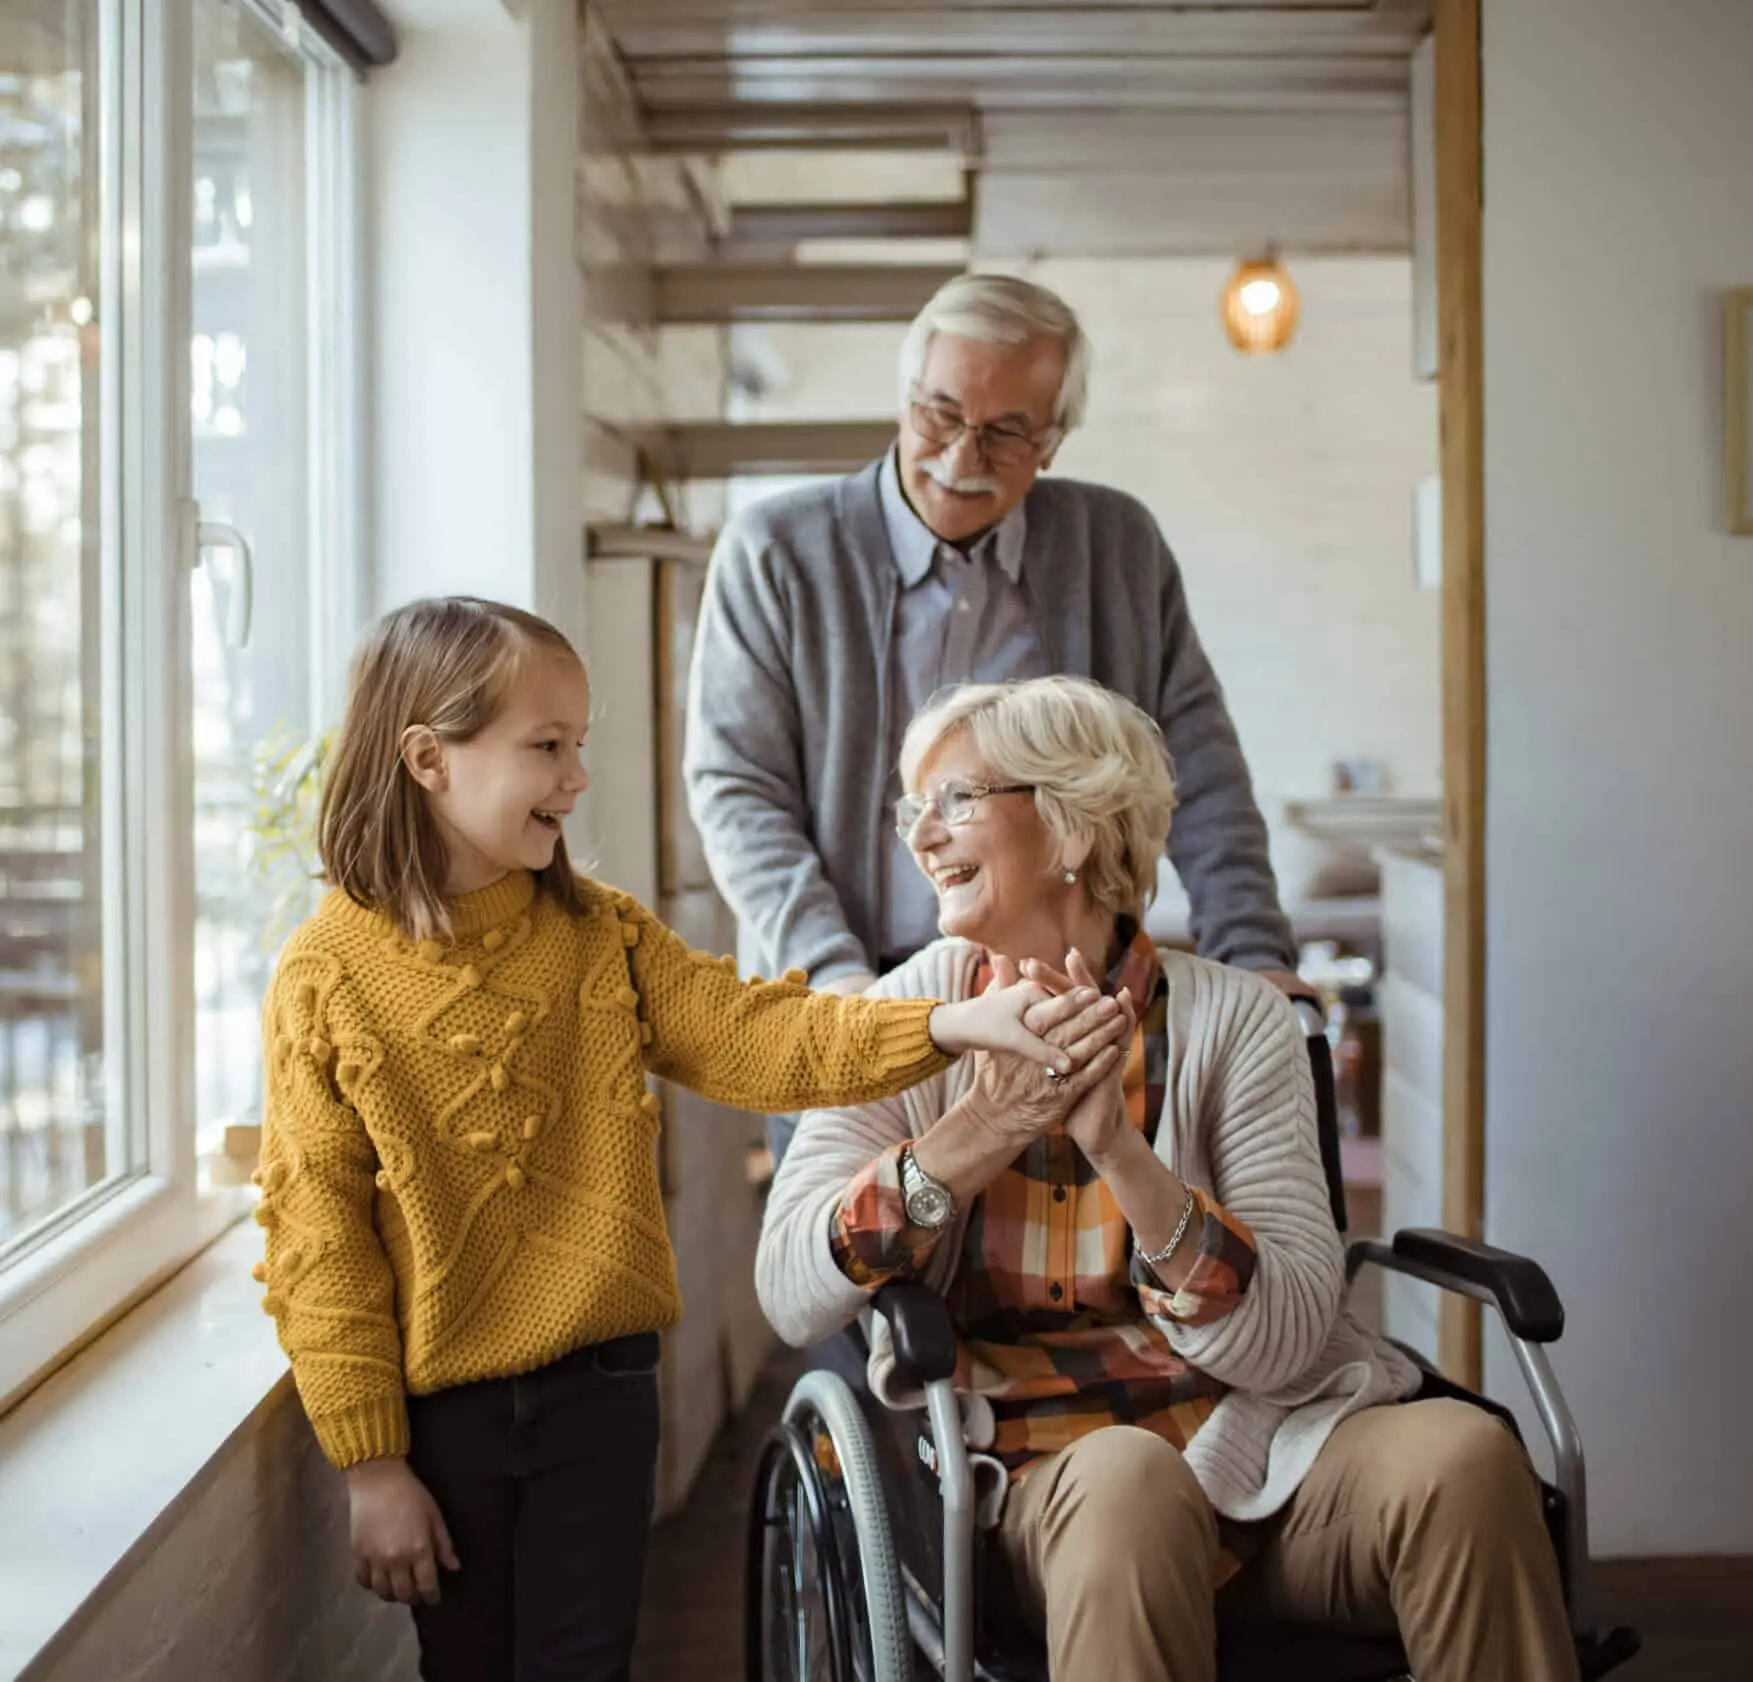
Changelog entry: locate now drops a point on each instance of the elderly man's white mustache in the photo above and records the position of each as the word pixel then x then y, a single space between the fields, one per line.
pixel 975 484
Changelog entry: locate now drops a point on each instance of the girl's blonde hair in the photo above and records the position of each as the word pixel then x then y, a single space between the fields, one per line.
pixel 1096 762
pixel 446 663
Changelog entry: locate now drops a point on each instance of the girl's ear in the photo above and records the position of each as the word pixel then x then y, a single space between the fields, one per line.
pixel 423 754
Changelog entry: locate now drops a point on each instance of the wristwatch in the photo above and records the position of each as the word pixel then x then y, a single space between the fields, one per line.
pixel 929 1202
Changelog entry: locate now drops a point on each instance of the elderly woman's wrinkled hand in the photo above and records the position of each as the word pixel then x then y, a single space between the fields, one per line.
pixel 1018 1099
pixel 1096 1120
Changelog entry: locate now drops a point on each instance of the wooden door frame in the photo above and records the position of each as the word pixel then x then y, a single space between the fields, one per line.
pixel 1460 384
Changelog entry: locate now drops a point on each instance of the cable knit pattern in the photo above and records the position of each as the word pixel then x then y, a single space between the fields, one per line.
pixel 459 1178
pixel 1238 1123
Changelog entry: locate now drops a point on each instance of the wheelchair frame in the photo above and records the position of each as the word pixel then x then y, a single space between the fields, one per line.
pixel 943 1628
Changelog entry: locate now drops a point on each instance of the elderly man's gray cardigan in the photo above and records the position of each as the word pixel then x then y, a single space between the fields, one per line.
pixel 788 699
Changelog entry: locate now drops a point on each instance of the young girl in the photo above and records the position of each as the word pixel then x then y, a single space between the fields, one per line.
pixel 466 1253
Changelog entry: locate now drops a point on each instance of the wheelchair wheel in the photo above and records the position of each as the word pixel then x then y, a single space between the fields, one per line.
pixel 823 1600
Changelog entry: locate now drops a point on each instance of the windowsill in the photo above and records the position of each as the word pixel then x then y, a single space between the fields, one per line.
pixel 100 1456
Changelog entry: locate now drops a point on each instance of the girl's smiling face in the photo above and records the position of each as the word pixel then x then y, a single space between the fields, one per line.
pixel 500 797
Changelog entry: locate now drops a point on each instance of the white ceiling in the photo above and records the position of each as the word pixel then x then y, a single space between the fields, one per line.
pixel 1102 128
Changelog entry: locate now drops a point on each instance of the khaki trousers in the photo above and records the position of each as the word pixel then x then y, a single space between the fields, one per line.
pixel 1423 1517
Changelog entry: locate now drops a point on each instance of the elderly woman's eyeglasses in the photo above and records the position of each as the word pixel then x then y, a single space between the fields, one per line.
pixel 955 803
pixel 1000 446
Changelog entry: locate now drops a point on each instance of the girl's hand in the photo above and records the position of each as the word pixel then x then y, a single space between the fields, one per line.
pixel 399 1538
pixel 1016 1099
pixel 1016 1017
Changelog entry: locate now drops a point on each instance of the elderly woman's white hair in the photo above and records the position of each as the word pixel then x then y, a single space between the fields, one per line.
pixel 1003 310
pixel 1095 760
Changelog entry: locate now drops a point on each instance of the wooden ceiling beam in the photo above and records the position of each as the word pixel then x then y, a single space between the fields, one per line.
pixel 727 124
pixel 997 82
pixel 656 33
pixel 731 449
pixel 763 226
pixel 713 294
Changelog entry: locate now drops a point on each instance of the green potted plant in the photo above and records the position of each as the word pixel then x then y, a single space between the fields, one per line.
pixel 286 787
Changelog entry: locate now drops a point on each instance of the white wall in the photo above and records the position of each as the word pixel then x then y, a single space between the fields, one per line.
pixel 1283 483
pixel 1618 143
pixel 475 412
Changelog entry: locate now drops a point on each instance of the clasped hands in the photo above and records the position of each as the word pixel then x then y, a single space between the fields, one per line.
pixel 1017 1099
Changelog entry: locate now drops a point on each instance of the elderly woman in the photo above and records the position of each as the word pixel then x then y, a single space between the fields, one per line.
pixel 1140 1259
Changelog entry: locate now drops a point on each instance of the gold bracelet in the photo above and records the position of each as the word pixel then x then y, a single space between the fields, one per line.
pixel 1181 1225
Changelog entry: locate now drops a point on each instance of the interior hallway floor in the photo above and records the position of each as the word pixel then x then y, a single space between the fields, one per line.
pixel 1696 1615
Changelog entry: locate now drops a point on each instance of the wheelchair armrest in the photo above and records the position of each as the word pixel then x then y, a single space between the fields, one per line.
pixel 1517 1285
pixel 919 1322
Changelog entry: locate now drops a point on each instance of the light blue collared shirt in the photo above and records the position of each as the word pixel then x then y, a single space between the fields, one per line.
pixel 959 618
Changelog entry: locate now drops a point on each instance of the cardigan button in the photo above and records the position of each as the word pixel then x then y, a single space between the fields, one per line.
pixel 627 999
pixel 629 934
pixel 652 1105
pixel 795 977
pixel 493 939
pixel 645 1033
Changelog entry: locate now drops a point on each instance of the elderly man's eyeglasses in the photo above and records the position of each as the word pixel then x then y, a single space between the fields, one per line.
pixel 955 803
pixel 1000 445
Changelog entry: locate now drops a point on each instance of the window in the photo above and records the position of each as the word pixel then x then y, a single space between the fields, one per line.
pixel 251 606
pixel 60 1132
pixel 177 554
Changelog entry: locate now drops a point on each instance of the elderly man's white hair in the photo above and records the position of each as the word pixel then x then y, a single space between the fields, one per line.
pixel 1003 310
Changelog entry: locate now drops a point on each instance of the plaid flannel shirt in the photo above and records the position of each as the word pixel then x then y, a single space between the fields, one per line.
pixel 1051 1304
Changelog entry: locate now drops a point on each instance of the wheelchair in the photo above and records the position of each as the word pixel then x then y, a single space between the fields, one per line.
pixel 863 1547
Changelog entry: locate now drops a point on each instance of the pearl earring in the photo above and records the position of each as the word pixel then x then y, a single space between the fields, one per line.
pixel 1071 876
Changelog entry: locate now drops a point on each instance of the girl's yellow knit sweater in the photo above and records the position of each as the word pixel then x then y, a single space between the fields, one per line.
pixel 459 1174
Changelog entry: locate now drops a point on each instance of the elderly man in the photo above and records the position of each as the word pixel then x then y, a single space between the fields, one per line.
pixel 832 613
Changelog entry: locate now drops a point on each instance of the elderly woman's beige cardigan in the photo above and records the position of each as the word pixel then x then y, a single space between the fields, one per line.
pixel 1238 1122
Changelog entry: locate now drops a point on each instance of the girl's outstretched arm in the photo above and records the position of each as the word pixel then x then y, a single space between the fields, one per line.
pixel 775 1045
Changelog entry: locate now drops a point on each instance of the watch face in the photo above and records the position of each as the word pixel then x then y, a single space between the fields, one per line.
pixel 927 1205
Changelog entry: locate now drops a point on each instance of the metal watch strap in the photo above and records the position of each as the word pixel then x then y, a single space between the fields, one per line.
pixel 914 1177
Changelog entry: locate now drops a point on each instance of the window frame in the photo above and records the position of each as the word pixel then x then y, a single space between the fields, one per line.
pixel 85 1265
